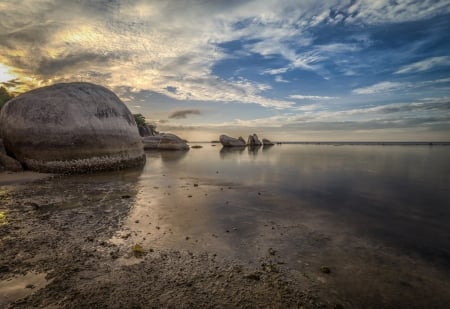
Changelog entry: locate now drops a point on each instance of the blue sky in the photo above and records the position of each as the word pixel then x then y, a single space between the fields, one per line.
pixel 287 70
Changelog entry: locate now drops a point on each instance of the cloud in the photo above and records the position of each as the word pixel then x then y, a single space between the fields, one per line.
pixel 389 86
pixel 425 65
pixel 153 45
pixel 310 97
pixel 183 113
pixel 279 79
pixel 380 87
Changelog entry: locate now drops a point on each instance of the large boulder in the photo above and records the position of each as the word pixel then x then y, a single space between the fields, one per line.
pixel 164 141
pixel 71 128
pixel 253 140
pixel 228 141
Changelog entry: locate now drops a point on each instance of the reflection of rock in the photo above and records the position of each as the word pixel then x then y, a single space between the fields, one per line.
pixel 6 162
pixel 253 140
pixel 267 142
pixel 168 156
pixel 228 141
pixel 253 150
pixel 71 127
pixel 229 151
pixel 164 141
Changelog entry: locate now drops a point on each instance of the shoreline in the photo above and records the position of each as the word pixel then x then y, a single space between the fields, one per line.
pixel 16 178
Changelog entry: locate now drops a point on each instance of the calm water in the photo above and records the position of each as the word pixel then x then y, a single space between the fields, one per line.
pixel 395 195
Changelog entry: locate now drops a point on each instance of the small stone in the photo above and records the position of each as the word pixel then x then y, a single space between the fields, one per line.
pixel 136 221
pixel 195 184
pixel 29 286
pixel 126 196
pixel 271 251
pixel 187 238
pixel 253 276
pixel 157 227
pixel 189 195
pixel 325 269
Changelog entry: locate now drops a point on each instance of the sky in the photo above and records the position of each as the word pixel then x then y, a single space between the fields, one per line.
pixel 304 70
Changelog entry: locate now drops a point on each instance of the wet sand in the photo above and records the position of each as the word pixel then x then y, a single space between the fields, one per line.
pixel 80 232
pixel 11 178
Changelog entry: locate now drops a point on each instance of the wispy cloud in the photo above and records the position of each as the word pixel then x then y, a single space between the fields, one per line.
pixel 183 113
pixel 425 65
pixel 388 86
pixel 380 87
pixel 310 97
pixel 280 79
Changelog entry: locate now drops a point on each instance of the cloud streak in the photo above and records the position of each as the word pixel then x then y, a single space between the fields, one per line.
pixel 183 113
pixel 425 65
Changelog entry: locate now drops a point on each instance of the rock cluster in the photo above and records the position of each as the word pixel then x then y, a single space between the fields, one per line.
pixel 252 141
pixel 164 141
pixel 71 128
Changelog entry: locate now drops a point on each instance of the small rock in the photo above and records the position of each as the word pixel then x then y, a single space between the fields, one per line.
pixel 271 251
pixel 187 237
pixel 325 269
pixel 126 196
pixel 4 269
pixel 253 276
pixel 195 184
pixel 136 221
pixel 29 286
pixel 189 195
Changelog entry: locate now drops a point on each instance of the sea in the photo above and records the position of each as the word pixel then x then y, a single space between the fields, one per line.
pixel 394 194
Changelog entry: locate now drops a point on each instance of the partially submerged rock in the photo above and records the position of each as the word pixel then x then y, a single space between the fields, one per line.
pixel 267 142
pixel 164 141
pixel 71 128
pixel 253 140
pixel 228 141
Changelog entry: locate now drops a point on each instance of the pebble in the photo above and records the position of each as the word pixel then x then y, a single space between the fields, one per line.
pixel 325 269
pixel 253 276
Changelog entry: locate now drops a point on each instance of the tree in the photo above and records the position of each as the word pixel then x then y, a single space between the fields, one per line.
pixel 5 96
pixel 140 120
pixel 145 129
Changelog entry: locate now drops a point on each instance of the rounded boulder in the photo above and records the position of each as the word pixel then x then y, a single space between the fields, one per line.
pixel 71 128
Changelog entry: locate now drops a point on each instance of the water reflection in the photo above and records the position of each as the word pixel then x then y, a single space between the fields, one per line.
pixel 229 152
pixel 253 150
pixel 397 195
pixel 166 155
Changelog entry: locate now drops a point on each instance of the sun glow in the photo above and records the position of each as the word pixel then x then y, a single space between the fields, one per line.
pixel 6 74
